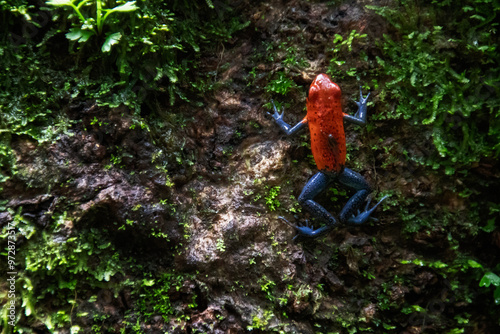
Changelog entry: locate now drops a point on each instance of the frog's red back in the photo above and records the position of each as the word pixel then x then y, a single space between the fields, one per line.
pixel 326 124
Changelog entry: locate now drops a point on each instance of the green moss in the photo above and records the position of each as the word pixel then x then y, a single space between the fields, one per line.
pixel 156 47
pixel 438 65
pixel 157 294
pixel 281 84
pixel 272 197
pixel 338 67
pixel 261 321
pixel 51 265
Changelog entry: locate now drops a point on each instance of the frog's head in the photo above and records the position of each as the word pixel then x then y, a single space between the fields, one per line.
pixel 324 88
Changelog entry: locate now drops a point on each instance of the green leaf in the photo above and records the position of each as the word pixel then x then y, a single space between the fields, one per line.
pixel 418 262
pixel 59 2
pixel 496 295
pixel 126 7
pixel 438 264
pixel 104 245
pixel 449 170
pixel 338 38
pixel 146 282
pixel 479 17
pixel 490 278
pixel 110 41
pixel 170 74
pixel 79 34
pixel 474 264
pixel 417 308
pixel 69 285
pixel 490 226
pixel 388 326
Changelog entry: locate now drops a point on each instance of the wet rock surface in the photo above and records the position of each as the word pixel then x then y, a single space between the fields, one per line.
pixel 245 270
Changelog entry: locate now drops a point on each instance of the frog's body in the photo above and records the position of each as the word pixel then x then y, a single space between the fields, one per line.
pixel 326 125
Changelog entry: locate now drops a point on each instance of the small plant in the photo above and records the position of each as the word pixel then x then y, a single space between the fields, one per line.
pixel 91 26
pixel 221 247
pixel 267 286
pixel 295 206
pixel 337 194
pixel 493 279
pixel 294 60
pixel 272 198
pixel 261 322
pixel 341 47
pixel 281 85
pixel 155 292
pixel 159 234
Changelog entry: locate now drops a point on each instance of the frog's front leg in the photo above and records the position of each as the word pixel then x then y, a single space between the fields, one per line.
pixel 351 211
pixel 313 187
pixel 289 130
pixel 360 117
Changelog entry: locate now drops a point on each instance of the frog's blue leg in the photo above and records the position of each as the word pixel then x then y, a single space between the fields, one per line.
pixel 351 213
pixel 285 127
pixel 313 187
pixel 360 117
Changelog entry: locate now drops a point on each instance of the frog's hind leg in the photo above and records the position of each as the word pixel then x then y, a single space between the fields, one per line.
pixel 351 211
pixel 313 187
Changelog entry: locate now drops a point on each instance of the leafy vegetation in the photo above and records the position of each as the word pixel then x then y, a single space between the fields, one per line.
pixel 56 265
pixel 446 75
pixel 272 198
pixel 116 54
pixel 428 264
pixel 94 25
pixel 436 70
pixel 154 295
pixel 291 59
pixel 39 77
pixel 338 66
pixel 281 85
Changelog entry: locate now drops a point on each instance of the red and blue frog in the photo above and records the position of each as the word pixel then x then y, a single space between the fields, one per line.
pixel 326 125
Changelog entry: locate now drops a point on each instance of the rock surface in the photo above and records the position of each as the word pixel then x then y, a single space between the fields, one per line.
pixel 208 187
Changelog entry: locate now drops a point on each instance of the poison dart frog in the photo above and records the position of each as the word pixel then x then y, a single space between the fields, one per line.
pixel 326 125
